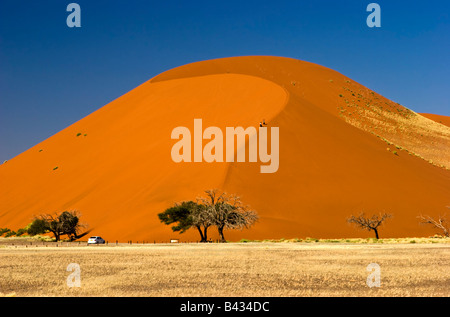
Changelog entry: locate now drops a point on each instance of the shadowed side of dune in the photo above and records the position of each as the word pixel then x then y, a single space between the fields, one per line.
pixel 330 170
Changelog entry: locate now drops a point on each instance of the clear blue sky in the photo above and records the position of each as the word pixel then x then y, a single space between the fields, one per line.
pixel 52 75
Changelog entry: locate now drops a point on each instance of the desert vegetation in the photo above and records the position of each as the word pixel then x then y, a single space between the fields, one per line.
pixel 227 269
pixel 388 120
pixel 59 224
pixel 283 267
pixel 186 215
pixel 223 212
pixel 216 209
pixel 369 223
pixel 440 223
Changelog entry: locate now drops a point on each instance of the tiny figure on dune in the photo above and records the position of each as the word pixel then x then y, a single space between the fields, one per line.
pixel 264 122
pixel 260 124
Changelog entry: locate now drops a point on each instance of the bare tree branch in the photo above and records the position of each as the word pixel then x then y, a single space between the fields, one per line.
pixel 440 223
pixel 370 224
pixel 227 211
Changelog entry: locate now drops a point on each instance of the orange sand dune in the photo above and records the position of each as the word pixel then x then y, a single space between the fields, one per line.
pixel 119 174
pixel 445 120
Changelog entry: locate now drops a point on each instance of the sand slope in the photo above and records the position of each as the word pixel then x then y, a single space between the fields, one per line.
pixel 438 118
pixel 119 174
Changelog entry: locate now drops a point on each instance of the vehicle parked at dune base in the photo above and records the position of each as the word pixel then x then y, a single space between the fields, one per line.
pixel 96 240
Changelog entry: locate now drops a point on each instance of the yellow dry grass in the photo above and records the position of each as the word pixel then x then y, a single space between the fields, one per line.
pixel 234 269
pixel 396 125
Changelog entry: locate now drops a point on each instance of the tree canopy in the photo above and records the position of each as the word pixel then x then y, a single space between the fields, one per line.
pixel 186 215
pixel 65 223
pixel 216 209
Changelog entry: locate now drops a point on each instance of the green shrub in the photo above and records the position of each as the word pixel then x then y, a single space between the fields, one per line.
pixel 21 231
pixel 38 226
pixel 4 230
pixel 10 233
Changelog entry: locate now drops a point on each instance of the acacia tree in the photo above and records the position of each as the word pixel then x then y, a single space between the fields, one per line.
pixel 440 223
pixel 186 215
pixel 201 220
pixel 71 225
pixel 222 211
pixel 370 224
pixel 38 226
pixel 227 212
pixel 65 223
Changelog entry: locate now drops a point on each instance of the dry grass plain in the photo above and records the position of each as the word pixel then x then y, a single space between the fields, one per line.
pixel 233 269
